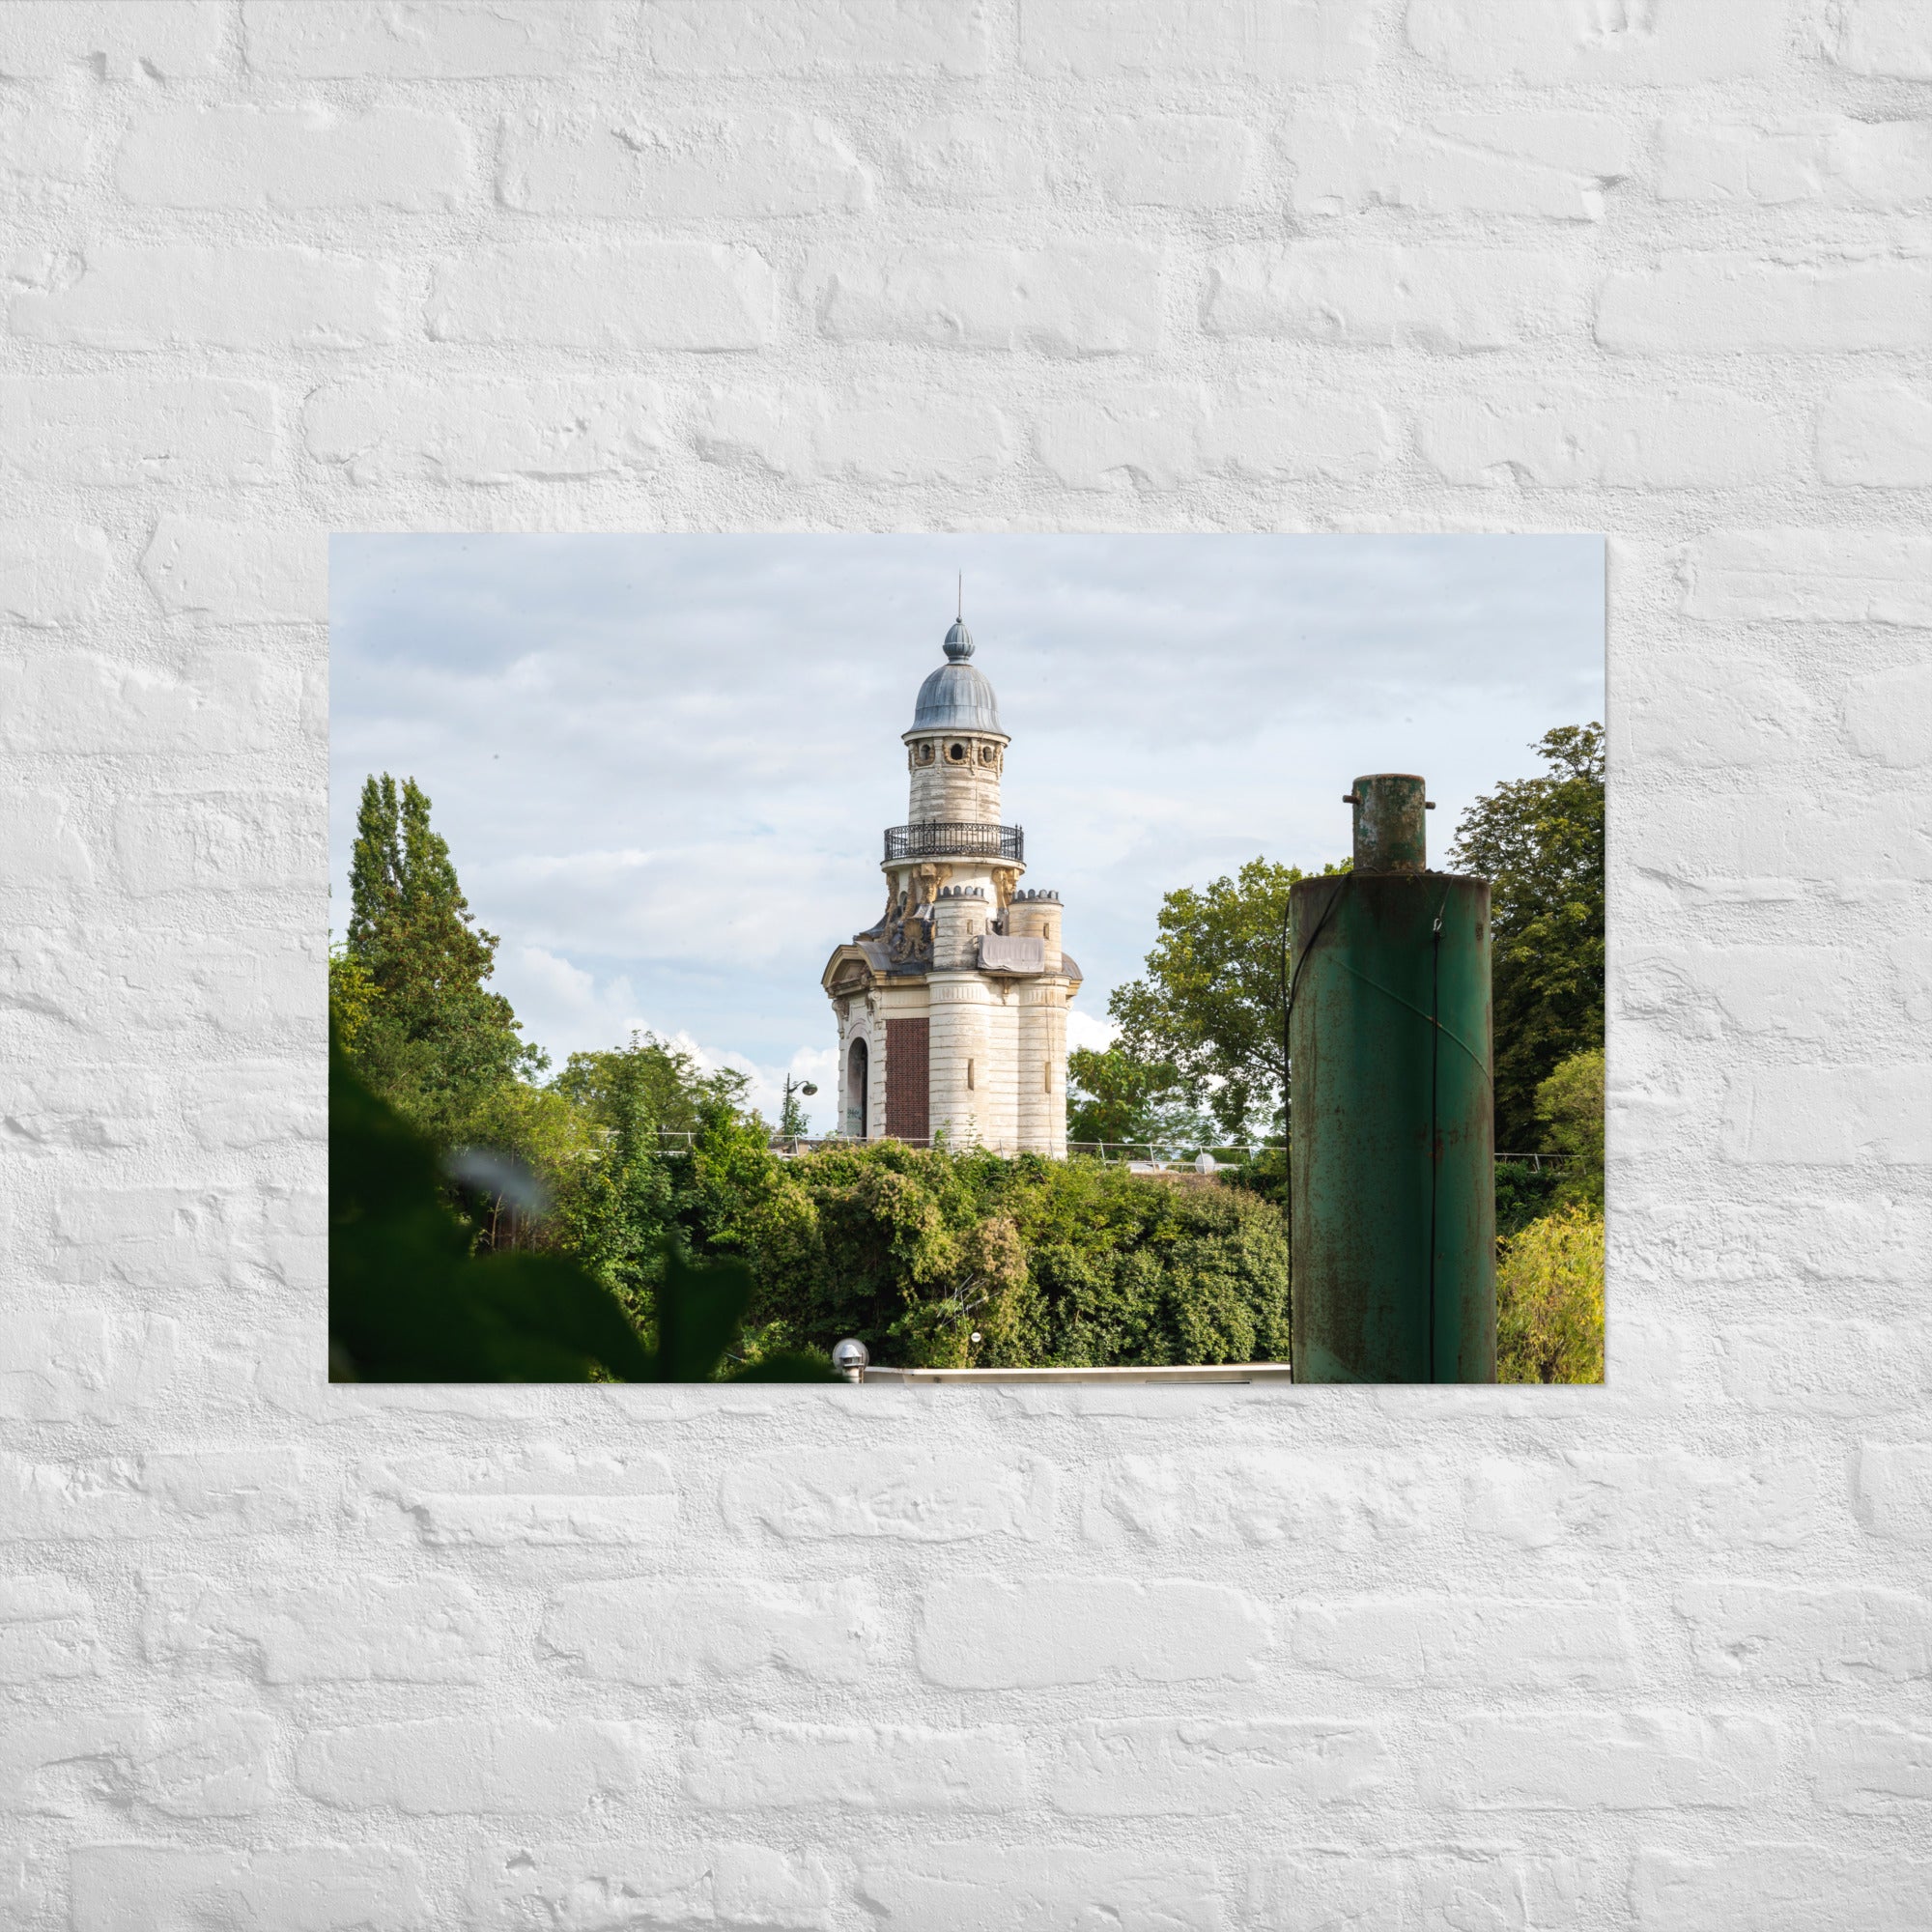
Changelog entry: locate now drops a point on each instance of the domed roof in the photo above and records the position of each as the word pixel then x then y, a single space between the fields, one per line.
pixel 956 697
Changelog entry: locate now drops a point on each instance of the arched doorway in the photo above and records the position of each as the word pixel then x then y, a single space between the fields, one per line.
pixel 857 1084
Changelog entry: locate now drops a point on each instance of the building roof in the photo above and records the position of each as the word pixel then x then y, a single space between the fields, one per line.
pixel 956 697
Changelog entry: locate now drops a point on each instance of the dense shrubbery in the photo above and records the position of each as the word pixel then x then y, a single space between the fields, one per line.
pixel 1048 1262
pixel 1524 1194
pixel 1550 1300
pixel 917 1251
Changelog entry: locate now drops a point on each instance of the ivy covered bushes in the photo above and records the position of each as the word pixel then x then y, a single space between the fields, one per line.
pixel 936 1259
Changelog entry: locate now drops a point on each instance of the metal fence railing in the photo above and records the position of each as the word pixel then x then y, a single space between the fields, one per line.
pixel 1172 1151
pixel 955 839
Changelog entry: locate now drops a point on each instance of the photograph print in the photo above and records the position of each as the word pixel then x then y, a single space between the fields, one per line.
pixel 919 958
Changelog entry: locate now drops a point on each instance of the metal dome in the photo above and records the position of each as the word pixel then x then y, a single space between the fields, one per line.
pixel 956 697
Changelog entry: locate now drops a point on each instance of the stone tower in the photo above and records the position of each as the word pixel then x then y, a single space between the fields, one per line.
pixel 952 1006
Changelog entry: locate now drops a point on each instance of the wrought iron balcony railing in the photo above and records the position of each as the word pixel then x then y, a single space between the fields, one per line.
pixel 953 838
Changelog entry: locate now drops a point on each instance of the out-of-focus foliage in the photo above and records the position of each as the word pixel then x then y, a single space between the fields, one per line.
pixel 1569 1103
pixel 1540 842
pixel 408 1300
pixel 1550 1300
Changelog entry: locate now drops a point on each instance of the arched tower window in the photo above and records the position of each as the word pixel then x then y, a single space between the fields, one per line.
pixel 858 1087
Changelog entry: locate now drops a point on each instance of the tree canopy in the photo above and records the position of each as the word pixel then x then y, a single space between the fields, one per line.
pixel 1569 1103
pixel 663 1080
pixel 1210 1004
pixel 1116 1096
pixel 1540 842
pixel 407 989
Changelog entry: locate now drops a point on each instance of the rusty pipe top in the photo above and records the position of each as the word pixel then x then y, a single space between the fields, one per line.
pixel 1390 831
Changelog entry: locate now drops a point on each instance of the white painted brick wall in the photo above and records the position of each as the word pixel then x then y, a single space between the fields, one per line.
pixel 286 1658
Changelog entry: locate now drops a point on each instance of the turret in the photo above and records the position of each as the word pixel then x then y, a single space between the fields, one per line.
pixel 1035 914
pixel 960 917
pixel 955 750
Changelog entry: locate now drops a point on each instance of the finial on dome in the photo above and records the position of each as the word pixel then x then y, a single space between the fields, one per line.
pixel 959 640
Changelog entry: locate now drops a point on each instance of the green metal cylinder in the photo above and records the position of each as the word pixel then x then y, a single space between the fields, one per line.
pixel 1390 835
pixel 1392 1169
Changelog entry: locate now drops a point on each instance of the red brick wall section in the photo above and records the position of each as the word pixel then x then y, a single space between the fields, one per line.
pixel 907 1090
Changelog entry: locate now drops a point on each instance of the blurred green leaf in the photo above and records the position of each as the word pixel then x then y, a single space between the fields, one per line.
pixel 699 1313
pixel 409 1302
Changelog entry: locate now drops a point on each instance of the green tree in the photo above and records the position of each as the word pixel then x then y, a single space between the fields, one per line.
pixel 1117 1096
pixel 617 1209
pixel 1524 1194
pixel 433 1040
pixel 1540 842
pixel 1570 1104
pixel 1211 1002
pixel 663 1079
pixel 620 1194
pixel 350 993
pixel 1550 1300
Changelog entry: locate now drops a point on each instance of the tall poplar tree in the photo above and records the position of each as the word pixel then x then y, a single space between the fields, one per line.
pixel 434 1039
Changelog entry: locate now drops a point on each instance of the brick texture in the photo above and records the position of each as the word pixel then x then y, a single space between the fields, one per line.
pixel 281 1658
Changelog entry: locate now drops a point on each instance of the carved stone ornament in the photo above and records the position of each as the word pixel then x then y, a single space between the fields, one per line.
pixel 909 941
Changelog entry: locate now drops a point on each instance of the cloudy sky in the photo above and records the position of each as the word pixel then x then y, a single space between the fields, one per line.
pixel 663 763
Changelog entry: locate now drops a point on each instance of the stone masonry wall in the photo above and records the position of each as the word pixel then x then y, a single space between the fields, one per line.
pixel 282 1658
pixel 965 793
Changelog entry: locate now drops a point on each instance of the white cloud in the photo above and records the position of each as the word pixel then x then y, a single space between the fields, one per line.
pixel 568 1010
pixel 1089 1030
pixel 563 986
